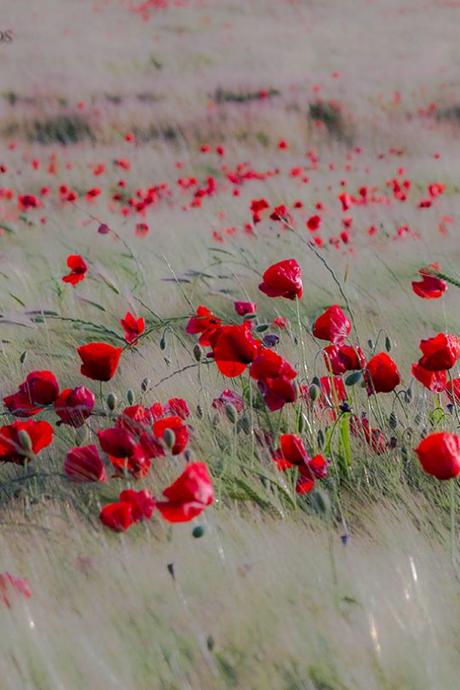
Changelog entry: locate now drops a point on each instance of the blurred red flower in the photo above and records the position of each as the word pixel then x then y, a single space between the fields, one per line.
pixel 439 454
pixel 332 325
pixel 440 352
pixel 189 495
pixel 84 464
pixel 14 444
pixel 132 327
pixel 429 287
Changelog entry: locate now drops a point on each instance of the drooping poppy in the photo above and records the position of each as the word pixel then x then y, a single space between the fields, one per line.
pixel 277 392
pixel 382 374
pixel 440 352
pixel 332 325
pixel 283 279
pixel 74 405
pixel 269 365
pixel 430 286
pixel 439 454
pixel 78 269
pixel 189 495
pixel 84 464
pixel 15 446
pixel 132 327
pixel 99 360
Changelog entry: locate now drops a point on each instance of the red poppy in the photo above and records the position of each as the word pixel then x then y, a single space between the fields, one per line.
pixel 141 502
pixel 439 454
pixel 433 380
pixel 10 586
pixel 228 397
pixel 78 269
pixel 341 358
pixel 117 442
pixel 452 390
pixel 270 365
pixel 135 419
pixel 375 438
pixel 257 206
pixel 277 392
pixel 12 447
pixel 118 516
pixel 332 325
pixel 205 323
pixel 132 327
pixel 382 374
pixel 189 495
pixel 306 481
pixel 74 405
pixel 293 451
pixel 99 360
pixel 283 279
pixel 440 352
pixel 333 390
pixel 179 429
pixel 429 287
pixel 40 388
pixel 178 407
pixel 234 347
pixel 244 308
pixel 84 464
pixel 313 223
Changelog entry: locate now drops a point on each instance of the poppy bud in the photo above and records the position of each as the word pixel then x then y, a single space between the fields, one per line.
pixel 231 413
pixel 370 344
pixel 187 455
pixel 387 344
pixel 313 392
pixel 198 352
pixel 130 396
pixel 262 327
pixel 353 378
pixel 163 343
pixel 111 401
pixel 320 438
pixel 392 421
pixel 199 412
pixel 24 440
pixel 145 384
pixel 245 424
pixel 23 357
pixel 169 437
pixel 315 381
pixel 198 531
pixel 215 420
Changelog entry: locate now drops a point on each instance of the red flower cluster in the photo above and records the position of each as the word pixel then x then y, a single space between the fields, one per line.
pixel 292 453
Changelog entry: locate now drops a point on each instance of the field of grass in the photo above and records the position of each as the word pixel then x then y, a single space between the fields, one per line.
pixel 138 135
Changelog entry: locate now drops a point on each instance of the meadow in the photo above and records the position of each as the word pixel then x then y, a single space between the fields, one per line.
pixel 229 356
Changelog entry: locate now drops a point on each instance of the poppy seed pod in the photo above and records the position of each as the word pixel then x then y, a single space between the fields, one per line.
pixel 231 413
pixel 111 401
pixel 24 440
pixel 169 437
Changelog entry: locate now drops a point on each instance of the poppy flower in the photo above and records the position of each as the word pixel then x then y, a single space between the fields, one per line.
pixel 142 503
pixel 189 495
pixel 117 442
pixel 40 388
pixel 313 223
pixel 429 287
pixel 244 308
pixel 234 347
pixel 257 207
pixel 440 352
pixel 270 365
pixel 78 269
pixel 433 380
pixel 117 516
pixel 178 407
pixel 333 390
pixel 11 586
pixel 12 448
pixel 277 392
pixel 228 397
pixel 332 325
pixel 382 374
pixel 375 438
pixel 84 464
pixel 293 451
pixel 179 429
pixel 306 481
pixel 135 419
pixel 74 405
pixel 283 279
pixel 452 389
pixel 132 327
pixel 99 360
pixel 341 358
pixel 203 322
pixel 439 454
